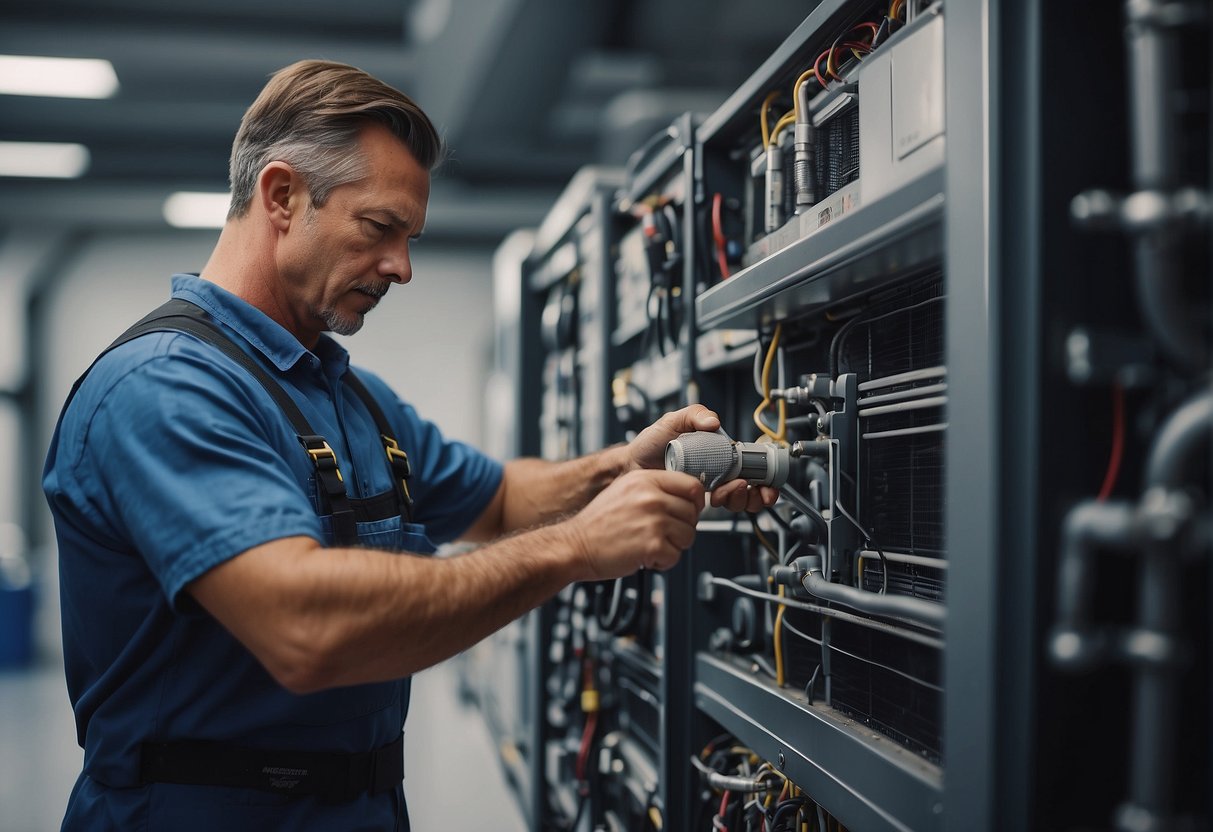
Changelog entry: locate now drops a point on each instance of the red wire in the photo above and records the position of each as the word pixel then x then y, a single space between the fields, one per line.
pixel 866 24
pixel 1118 442
pixel 583 754
pixel 817 72
pixel 724 804
pixel 718 236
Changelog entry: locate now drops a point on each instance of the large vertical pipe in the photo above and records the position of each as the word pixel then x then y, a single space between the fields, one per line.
pixel 1156 686
pixel 1153 63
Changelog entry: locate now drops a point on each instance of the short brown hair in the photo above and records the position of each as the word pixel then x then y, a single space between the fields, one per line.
pixel 309 116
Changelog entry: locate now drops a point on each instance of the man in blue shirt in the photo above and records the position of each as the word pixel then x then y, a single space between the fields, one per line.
pixel 242 520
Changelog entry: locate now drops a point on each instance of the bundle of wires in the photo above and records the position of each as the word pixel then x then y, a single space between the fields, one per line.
pixel 744 795
pixel 663 244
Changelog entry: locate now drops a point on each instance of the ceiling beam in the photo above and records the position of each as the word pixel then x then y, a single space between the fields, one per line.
pixel 456 212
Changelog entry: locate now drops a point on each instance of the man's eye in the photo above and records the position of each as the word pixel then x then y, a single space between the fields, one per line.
pixel 379 227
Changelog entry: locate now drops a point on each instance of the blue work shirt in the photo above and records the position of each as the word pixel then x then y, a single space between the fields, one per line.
pixel 170 460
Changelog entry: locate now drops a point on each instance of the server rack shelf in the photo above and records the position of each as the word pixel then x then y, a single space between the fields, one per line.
pixel 868 782
pixel 893 237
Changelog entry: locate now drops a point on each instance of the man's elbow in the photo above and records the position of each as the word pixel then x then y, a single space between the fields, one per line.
pixel 302 662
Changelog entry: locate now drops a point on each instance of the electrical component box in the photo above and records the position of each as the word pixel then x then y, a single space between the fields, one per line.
pixel 872 653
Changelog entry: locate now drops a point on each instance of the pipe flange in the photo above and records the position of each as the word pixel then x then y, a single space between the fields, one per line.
pixel 1076 650
pixel 1163 13
pixel 1164 515
pixel 1151 648
pixel 1142 212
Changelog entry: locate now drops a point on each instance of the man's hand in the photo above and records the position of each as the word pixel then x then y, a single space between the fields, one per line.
pixel 647 450
pixel 643 520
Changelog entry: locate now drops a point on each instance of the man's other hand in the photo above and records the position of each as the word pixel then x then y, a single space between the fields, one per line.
pixel 643 520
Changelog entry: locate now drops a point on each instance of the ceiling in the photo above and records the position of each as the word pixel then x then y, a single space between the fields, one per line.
pixel 524 91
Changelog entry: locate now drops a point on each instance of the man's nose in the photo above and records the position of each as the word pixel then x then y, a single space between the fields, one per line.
pixel 397 266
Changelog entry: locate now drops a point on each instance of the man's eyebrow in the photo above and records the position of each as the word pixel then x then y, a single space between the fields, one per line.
pixel 395 218
pixel 400 222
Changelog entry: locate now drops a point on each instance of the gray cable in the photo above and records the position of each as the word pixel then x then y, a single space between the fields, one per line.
pixel 872 662
pixel 923 613
pixel 829 612
pixel 726 783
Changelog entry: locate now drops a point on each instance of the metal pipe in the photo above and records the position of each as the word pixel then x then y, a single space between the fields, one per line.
pixel 1191 424
pixel 898 407
pixel 916 610
pixel 898 395
pixel 899 557
pixel 1157 685
pixel 886 434
pixel 1156 688
pixel 826 612
pixel 1088 526
pixel 1153 57
pixel 904 378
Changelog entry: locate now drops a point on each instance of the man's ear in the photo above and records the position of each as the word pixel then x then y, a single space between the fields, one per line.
pixel 281 194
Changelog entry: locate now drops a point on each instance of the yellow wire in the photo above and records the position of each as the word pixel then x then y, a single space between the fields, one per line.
pixel 766 105
pixel 769 769
pixel 780 434
pixel 655 818
pixel 810 73
pixel 779 675
pixel 784 120
pixel 762 538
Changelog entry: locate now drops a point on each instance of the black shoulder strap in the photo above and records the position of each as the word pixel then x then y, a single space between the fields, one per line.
pixel 179 315
pixel 397 458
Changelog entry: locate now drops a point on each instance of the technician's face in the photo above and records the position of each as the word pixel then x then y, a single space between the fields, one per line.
pixel 348 252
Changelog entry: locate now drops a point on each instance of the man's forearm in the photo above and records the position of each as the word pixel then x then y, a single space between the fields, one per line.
pixel 538 492
pixel 320 618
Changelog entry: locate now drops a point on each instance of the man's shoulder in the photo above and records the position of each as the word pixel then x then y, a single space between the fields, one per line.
pixel 150 362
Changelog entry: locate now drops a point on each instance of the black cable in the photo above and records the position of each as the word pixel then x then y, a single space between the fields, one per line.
pixel 787 527
pixel 883 29
pixel 794 804
pixel 715 742
pixel 835 648
pixel 620 616
pixel 812 683
pixel 760 537
pixel 581 804
pixel 870 539
pixel 835 342
pixel 869 536
pixel 645 402
pixel 646 150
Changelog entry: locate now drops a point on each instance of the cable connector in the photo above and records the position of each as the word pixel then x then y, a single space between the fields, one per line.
pixel 790 575
pixel 816 447
pixel 804 167
pixel 813 386
pixel 589 700
pixel 774 188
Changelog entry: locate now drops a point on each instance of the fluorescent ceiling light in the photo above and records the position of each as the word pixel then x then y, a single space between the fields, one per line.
pixel 195 209
pixel 58 77
pixel 49 159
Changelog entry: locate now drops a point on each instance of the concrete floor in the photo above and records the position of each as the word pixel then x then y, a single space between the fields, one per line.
pixel 39 758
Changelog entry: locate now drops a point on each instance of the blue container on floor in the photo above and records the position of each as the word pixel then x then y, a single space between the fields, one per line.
pixel 16 624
